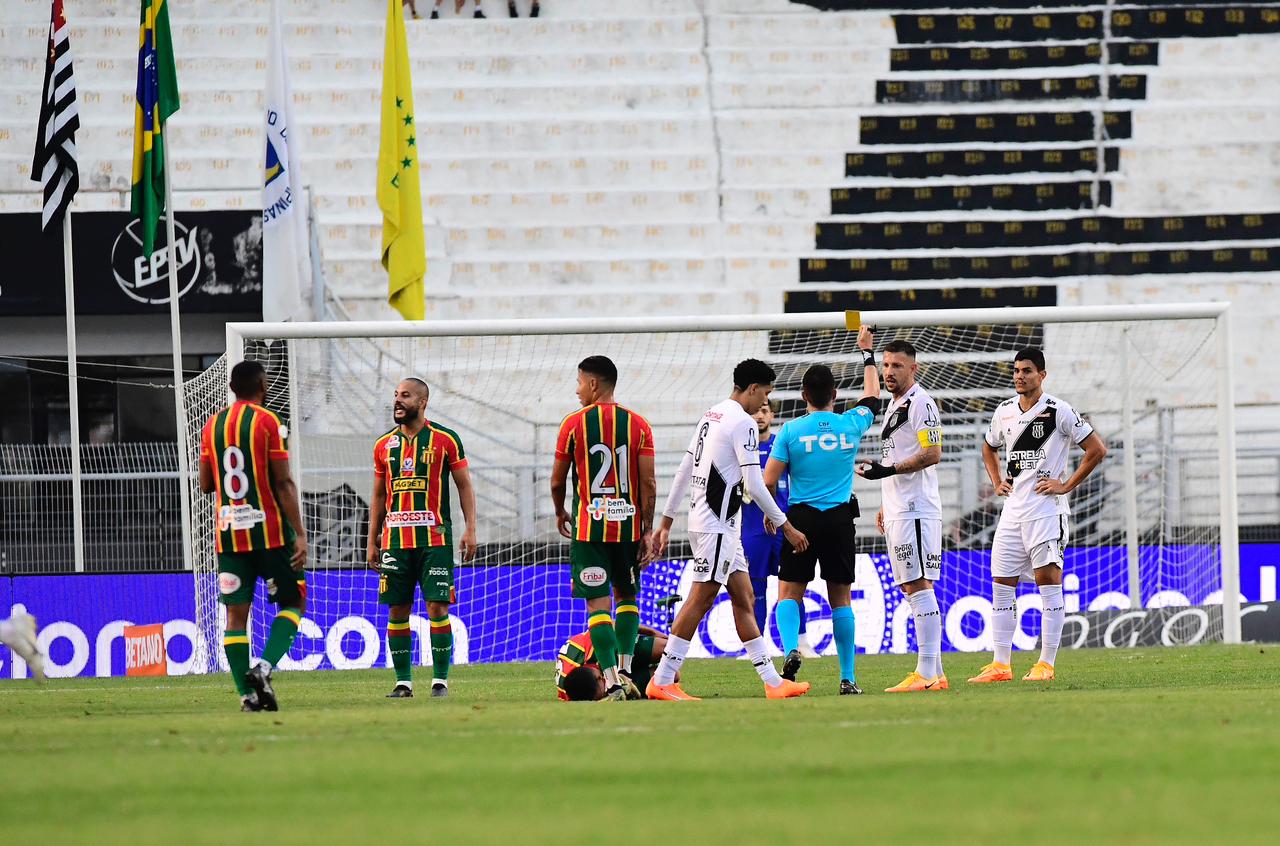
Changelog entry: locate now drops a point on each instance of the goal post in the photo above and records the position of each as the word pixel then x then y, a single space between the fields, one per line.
pixel 1159 524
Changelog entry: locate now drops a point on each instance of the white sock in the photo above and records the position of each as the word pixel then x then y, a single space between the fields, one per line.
pixel 408 684
pixel 672 658
pixel 1004 617
pixel 611 679
pixel 625 661
pixel 435 682
pixel 263 662
pixel 1051 616
pixel 759 657
pixel 924 608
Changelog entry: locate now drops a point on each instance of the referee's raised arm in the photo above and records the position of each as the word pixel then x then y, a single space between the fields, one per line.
pixel 870 375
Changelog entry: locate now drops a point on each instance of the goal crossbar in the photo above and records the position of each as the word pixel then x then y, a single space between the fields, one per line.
pixel 237 332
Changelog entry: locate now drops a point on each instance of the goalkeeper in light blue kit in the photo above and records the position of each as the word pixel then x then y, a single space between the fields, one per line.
pixel 819 450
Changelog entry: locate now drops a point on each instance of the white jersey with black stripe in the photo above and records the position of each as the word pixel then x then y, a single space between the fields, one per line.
pixel 1036 445
pixel 911 425
pixel 725 441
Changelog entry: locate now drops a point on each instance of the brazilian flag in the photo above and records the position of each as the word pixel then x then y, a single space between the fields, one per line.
pixel 157 100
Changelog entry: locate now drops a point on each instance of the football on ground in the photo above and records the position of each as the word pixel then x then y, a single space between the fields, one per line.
pixel 1127 746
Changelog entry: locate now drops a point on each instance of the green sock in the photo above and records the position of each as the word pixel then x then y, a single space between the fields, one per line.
pixel 400 642
pixel 283 630
pixel 603 639
pixel 626 626
pixel 441 646
pixel 236 645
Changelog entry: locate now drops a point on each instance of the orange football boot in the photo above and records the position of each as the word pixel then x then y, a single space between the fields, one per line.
pixel 993 672
pixel 913 682
pixel 1040 672
pixel 668 692
pixel 786 690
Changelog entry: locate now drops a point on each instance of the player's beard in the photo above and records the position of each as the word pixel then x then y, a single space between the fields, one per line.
pixel 404 415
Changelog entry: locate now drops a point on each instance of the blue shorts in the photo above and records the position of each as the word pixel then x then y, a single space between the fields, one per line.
pixel 763 554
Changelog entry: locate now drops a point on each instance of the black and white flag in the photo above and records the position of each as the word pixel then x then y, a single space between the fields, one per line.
pixel 55 160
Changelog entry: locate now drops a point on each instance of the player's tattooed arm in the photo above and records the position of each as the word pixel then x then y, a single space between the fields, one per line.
pixel 926 457
pixel 1094 451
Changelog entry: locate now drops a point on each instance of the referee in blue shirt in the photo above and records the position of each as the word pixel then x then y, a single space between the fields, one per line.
pixel 818 452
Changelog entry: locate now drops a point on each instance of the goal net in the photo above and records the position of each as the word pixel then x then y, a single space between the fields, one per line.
pixel 1147 529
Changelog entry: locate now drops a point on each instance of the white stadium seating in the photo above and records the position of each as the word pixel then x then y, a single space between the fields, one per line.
pixel 643 156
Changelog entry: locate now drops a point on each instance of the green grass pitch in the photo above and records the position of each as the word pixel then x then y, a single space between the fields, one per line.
pixel 1128 746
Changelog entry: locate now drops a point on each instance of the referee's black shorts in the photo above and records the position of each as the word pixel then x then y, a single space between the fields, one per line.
pixel 831 541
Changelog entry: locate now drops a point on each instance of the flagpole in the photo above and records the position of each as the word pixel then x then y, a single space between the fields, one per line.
pixel 175 333
pixel 73 395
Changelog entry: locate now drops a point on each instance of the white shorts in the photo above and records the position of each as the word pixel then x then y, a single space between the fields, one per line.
pixel 715 556
pixel 1019 549
pixel 915 548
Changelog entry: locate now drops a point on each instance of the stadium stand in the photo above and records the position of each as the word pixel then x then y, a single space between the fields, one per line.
pixel 629 153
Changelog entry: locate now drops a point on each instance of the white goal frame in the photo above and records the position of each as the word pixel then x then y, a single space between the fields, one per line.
pixel 238 333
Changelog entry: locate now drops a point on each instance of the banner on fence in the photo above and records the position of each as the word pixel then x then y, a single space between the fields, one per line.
pixel 526 613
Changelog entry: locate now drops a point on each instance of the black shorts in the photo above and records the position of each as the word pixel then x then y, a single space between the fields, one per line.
pixel 831 541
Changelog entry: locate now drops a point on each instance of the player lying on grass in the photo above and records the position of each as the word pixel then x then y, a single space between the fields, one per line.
pixel 578 674
pixel 411 530
pixel 1036 431
pixel 722 459
pixel 818 450
pixel 19 634
pixel 610 450
pixel 244 462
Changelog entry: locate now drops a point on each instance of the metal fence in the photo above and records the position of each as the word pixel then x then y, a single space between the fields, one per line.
pixel 132 518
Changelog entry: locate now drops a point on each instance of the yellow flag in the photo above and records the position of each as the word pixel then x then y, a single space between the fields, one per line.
pixel 404 243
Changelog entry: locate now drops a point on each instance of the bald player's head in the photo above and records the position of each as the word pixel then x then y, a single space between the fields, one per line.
pixel 409 405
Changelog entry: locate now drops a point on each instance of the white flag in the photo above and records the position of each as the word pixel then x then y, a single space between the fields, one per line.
pixel 286 253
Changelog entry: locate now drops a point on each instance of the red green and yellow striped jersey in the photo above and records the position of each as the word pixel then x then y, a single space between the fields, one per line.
pixel 238 444
pixel 603 442
pixel 576 652
pixel 413 472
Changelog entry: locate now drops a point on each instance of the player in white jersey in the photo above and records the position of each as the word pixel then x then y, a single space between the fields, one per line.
pixel 1037 431
pixel 19 634
pixel 723 459
pixel 910 515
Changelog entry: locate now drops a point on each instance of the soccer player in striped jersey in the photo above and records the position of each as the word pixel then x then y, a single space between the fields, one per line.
pixel 411 530
pixel 610 450
pixel 910 515
pixel 1036 431
pixel 244 462
pixel 578 674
